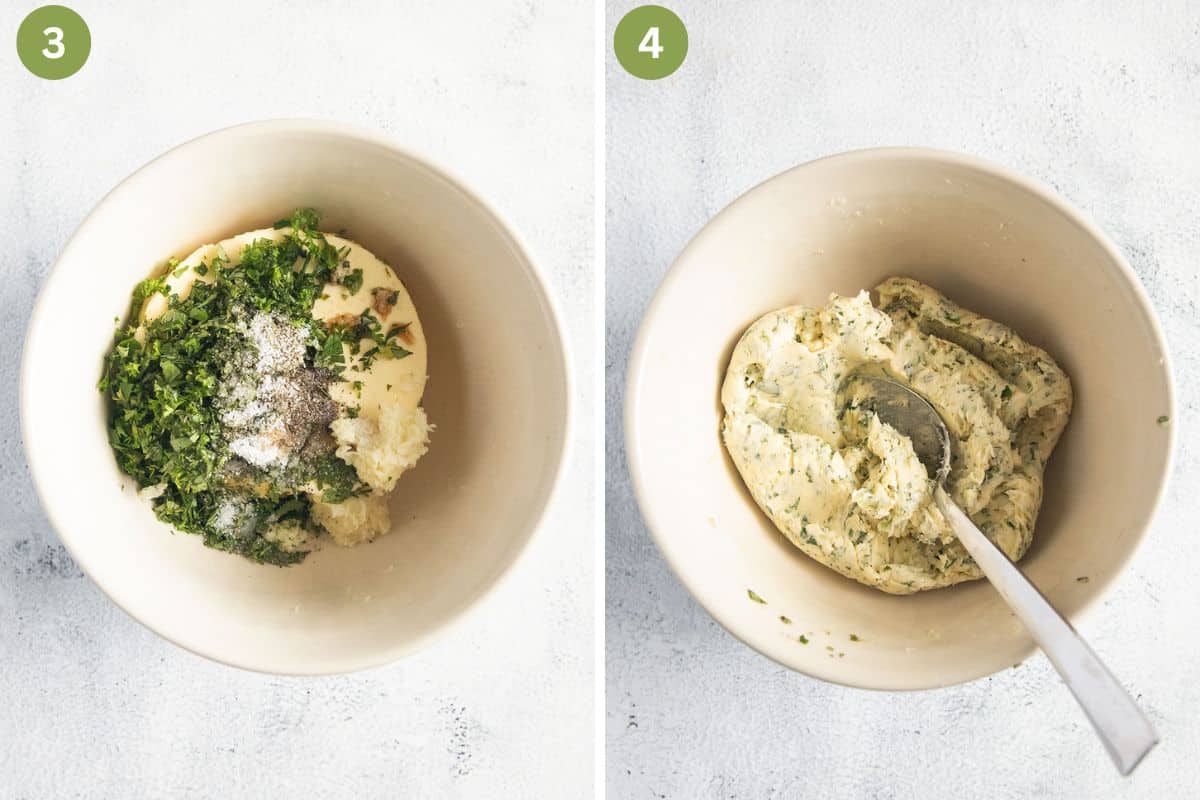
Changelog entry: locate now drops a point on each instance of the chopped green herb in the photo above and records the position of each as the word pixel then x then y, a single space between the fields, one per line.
pixel 161 381
pixel 754 596
pixel 354 281
pixel 337 480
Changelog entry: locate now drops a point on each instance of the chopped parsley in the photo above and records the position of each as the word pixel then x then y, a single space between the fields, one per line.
pixel 364 328
pixel 354 281
pixel 753 595
pixel 161 381
pixel 337 479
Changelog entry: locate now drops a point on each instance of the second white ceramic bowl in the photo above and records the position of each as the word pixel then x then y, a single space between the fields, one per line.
pixel 996 243
pixel 497 392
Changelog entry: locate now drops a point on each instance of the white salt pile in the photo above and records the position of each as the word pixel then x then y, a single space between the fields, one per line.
pixel 269 401
pixel 235 516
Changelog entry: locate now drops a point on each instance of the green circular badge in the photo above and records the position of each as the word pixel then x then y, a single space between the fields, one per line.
pixel 650 42
pixel 53 42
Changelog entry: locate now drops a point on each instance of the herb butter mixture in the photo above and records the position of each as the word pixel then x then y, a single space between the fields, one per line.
pixel 266 391
pixel 847 489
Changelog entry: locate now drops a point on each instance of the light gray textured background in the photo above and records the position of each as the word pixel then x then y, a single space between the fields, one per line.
pixel 94 706
pixel 1098 100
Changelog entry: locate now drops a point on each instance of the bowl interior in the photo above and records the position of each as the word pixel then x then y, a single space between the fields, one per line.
pixel 993 243
pixel 497 393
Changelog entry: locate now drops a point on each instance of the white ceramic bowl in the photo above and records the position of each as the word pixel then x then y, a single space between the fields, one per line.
pixel 497 392
pixel 998 244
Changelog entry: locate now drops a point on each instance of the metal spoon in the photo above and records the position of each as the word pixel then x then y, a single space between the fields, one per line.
pixel 1121 725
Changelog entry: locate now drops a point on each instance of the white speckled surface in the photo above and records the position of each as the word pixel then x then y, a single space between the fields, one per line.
pixel 95 706
pixel 1099 102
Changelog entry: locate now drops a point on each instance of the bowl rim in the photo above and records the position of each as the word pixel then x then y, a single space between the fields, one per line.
pixel 656 524
pixel 393 652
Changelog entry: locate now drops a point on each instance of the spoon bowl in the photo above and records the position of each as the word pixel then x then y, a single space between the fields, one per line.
pixel 908 412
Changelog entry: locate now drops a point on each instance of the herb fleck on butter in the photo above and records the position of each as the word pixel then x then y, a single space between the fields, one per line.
pixel 754 596
pixel 354 281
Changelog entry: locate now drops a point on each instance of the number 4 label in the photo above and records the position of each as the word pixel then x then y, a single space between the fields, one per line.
pixel 650 43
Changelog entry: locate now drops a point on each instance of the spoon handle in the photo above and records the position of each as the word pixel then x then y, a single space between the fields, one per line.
pixel 1124 729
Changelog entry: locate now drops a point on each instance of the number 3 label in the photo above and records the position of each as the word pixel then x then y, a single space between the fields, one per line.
pixel 53 42
pixel 53 36
pixel 650 42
